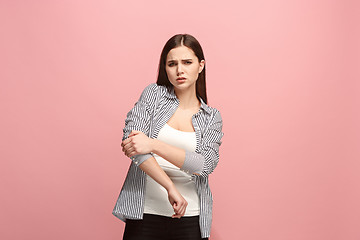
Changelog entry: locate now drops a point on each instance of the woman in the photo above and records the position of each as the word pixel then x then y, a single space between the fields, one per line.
pixel 172 137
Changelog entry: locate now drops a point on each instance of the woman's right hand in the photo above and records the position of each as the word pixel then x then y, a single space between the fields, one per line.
pixel 177 201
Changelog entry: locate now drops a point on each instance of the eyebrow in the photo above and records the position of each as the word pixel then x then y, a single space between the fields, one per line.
pixel 181 60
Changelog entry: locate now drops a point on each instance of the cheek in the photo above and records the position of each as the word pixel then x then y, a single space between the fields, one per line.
pixel 167 70
pixel 169 73
pixel 195 70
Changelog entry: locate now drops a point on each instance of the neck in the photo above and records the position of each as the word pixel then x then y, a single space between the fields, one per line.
pixel 187 98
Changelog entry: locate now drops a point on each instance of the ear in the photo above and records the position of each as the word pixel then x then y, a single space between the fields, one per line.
pixel 202 65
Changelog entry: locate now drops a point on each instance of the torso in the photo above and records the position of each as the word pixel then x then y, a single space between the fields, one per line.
pixel 156 198
pixel 181 120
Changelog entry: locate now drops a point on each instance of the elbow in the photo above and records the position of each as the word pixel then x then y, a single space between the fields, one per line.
pixel 208 169
pixel 197 164
pixel 193 163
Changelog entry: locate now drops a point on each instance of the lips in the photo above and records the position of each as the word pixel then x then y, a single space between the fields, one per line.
pixel 181 78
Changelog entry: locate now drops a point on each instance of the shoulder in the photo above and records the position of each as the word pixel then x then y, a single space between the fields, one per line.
pixel 214 111
pixel 152 90
pixel 159 88
pixel 215 114
pixel 152 87
pixel 149 92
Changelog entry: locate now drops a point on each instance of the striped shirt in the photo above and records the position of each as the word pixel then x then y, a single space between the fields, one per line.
pixel 150 113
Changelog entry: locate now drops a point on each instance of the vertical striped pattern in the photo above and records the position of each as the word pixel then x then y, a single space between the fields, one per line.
pixel 207 123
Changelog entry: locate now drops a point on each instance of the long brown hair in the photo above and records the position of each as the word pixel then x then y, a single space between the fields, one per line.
pixel 190 42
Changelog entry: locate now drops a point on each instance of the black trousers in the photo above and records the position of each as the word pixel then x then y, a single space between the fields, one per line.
pixel 156 227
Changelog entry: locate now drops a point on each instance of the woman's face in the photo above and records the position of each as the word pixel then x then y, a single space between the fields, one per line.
pixel 183 67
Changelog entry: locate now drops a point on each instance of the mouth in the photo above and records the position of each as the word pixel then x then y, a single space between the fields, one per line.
pixel 180 78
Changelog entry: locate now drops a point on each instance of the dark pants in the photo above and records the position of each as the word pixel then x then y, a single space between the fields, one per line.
pixel 156 227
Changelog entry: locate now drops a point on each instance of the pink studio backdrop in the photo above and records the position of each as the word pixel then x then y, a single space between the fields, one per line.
pixel 284 74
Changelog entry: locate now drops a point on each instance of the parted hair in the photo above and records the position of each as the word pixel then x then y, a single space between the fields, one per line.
pixel 190 42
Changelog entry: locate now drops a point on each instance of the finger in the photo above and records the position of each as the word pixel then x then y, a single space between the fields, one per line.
pixel 176 207
pixel 132 153
pixel 125 149
pixel 182 210
pixel 180 213
pixel 184 207
pixel 129 145
pixel 126 141
pixel 134 132
pixel 128 151
pixel 175 215
pixel 179 209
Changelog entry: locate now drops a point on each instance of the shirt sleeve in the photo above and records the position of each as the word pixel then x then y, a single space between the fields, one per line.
pixel 204 162
pixel 138 118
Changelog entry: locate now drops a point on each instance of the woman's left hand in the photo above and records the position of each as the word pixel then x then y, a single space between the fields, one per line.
pixel 136 143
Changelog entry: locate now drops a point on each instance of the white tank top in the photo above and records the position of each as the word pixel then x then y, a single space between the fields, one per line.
pixel 156 197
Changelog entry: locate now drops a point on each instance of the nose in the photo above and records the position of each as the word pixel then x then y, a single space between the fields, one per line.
pixel 179 69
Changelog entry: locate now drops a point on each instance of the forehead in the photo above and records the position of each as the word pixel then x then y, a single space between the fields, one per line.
pixel 181 52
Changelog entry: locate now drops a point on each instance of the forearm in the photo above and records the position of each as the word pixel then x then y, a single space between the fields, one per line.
pixel 177 201
pixel 169 152
pixel 152 168
pixel 190 162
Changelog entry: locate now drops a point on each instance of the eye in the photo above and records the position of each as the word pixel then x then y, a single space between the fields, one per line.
pixel 188 62
pixel 171 64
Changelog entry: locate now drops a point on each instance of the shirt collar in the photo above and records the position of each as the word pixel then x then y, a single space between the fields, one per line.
pixel 170 93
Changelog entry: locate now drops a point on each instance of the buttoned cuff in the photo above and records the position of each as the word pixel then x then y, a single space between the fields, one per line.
pixel 140 158
pixel 194 162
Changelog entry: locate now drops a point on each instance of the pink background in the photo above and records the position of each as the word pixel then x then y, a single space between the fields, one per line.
pixel 284 74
